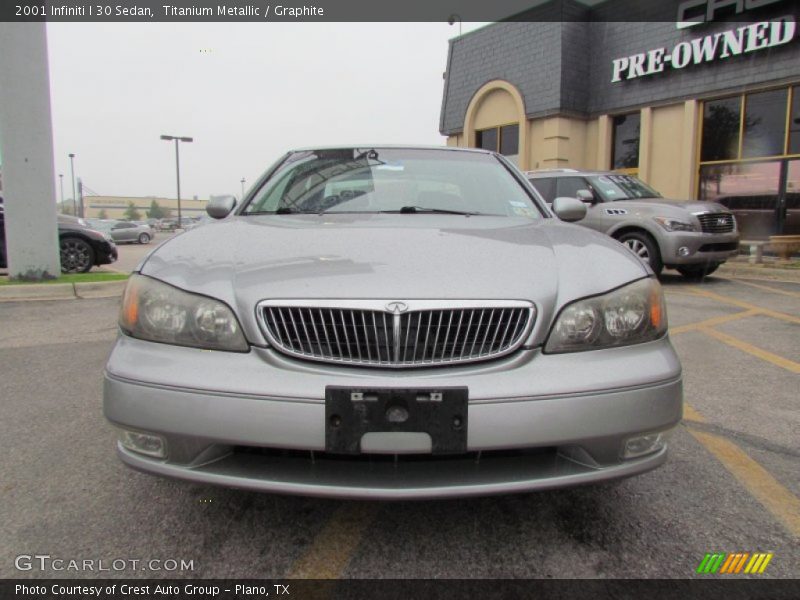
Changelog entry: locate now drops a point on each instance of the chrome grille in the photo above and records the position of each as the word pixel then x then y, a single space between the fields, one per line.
pixel 716 222
pixel 432 334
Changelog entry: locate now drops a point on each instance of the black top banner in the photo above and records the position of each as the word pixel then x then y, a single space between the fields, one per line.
pixel 229 11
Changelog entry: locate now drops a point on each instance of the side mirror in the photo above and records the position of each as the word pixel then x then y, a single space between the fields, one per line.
pixel 221 207
pixel 569 209
pixel 585 196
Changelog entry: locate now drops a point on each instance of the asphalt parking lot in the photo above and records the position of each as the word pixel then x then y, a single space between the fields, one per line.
pixel 731 483
pixel 131 254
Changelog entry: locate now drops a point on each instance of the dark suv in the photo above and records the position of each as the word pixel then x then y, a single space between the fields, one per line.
pixel 81 247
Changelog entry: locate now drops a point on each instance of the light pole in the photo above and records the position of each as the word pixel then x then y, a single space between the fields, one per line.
pixel 453 18
pixel 72 168
pixel 61 180
pixel 177 139
pixel 242 182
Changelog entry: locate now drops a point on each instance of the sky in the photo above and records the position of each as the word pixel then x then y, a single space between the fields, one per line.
pixel 245 92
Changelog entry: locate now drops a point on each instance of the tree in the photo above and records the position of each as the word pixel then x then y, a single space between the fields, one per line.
pixel 132 213
pixel 156 212
pixel 102 214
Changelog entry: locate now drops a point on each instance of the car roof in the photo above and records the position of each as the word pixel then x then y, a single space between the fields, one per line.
pixel 542 173
pixel 392 147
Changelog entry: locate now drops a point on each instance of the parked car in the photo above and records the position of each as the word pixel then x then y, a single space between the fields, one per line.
pixel 198 222
pixel 127 231
pixel 393 323
pixel 81 247
pixel 693 237
pixel 167 224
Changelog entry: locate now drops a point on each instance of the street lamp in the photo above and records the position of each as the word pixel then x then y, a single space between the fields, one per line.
pixel 72 168
pixel 177 139
pixel 61 180
pixel 452 19
pixel 242 182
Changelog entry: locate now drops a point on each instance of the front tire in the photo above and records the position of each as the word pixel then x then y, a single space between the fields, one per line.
pixel 696 272
pixel 645 247
pixel 77 256
pixel 144 238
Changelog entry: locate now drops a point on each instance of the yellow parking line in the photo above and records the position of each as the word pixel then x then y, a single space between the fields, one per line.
pixel 690 414
pixel 775 359
pixel 674 292
pixel 333 547
pixel 768 288
pixel 778 500
pixel 713 321
pixel 746 305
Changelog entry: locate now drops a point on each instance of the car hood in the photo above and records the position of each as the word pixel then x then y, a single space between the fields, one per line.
pixel 243 260
pixel 691 206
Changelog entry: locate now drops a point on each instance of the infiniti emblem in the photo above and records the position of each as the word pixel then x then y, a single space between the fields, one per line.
pixel 397 307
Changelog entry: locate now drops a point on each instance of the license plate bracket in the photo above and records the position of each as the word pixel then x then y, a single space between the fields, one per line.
pixel 439 412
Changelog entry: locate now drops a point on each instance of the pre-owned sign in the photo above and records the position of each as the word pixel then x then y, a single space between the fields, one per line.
pixel 715 46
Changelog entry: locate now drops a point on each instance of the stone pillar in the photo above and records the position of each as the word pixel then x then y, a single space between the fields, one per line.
pixel 604 134
pixel 26 151
pixel 645 144
pixel 689 141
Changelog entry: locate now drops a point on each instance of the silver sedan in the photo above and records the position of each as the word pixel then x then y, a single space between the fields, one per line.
pixel 124 231
pixel 386 322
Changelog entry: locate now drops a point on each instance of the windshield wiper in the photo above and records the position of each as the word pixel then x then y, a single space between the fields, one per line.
pixel 405 210
pixel 283 210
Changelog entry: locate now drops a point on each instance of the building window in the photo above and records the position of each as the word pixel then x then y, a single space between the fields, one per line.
pixel 794 122
pixel 625 145
pixel 748 159
pixel 504 140
pixel 764 124
pixel 509 140
pixel 745 186
pixel 721 123
pixel 487 139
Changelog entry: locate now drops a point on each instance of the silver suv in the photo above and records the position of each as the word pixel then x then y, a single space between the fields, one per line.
pixel 693 237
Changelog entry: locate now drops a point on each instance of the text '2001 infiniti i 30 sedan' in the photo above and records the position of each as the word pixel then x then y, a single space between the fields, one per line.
pixel 387 322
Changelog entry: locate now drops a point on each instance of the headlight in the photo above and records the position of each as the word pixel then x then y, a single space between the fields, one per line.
pixel 155 311
pixel 674 224
pixel 632 314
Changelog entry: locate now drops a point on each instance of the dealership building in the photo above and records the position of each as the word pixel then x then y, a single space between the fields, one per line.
pixel 116 207
pixel 706 105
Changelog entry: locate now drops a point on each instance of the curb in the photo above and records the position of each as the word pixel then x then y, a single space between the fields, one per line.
pixel 62 291
pixel 100 289
pixel 747 271
pixel 37 291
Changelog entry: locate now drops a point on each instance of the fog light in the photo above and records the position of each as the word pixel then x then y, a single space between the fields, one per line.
pixel 643 444
pixel 684 251
pixel 143 443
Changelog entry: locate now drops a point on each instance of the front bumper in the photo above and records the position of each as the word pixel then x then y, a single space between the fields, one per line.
pixel 529 426
pixel 702 247
pixel 105 253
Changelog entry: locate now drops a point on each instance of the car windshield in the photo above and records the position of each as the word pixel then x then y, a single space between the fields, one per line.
pixel 622 187
pixel 372 180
